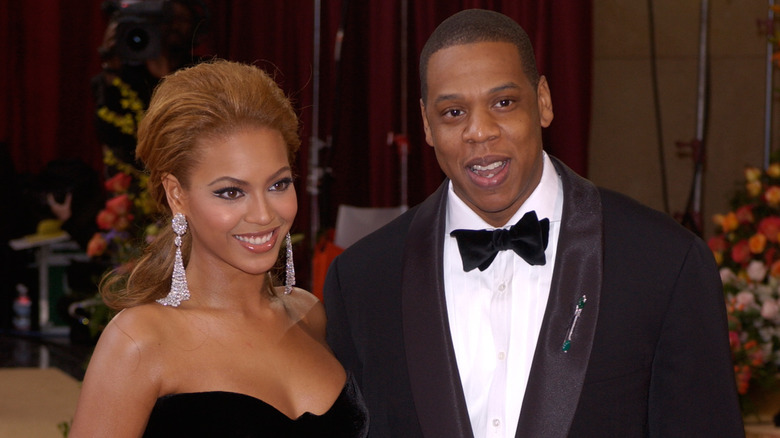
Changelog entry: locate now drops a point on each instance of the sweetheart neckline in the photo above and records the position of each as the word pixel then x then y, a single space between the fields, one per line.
pixel 347 383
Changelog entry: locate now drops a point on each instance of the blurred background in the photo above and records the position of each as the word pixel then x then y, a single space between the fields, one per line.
pixel 665 101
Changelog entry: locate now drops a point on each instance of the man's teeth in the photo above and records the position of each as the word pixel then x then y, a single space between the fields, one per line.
pixel 489 168
pixel 255 240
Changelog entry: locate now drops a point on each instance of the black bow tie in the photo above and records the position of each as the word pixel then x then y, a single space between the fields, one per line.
pixel 527 238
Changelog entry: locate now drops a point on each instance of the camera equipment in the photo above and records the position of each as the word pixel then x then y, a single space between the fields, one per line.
pixel 139 30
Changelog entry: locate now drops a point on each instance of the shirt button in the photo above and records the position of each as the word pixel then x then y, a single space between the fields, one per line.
pixel 501 287
pixel 501 355
pixel 496 422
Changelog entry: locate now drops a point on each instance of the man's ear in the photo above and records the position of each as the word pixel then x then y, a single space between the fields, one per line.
pixel 545 102
pixel 174 193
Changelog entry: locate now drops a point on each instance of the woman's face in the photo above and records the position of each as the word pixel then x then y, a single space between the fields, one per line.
pixel 240 201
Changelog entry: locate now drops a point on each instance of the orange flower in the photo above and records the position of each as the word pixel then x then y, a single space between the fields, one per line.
pixel 118 183
pixel 772 196
pixel 752 173
pixel 122 222
pixel 742 374
pixel 774 170
pixel 757 243
pixel 727 222
pixel 774 269
pixel 119 204
pixel 106 219
pixel 97 245
pixel 753 188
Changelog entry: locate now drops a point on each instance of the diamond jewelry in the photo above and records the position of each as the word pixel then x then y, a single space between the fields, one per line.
pixel 179 291
pixel 289 280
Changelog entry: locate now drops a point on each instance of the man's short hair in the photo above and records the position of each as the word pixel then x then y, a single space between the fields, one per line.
pixel 474 26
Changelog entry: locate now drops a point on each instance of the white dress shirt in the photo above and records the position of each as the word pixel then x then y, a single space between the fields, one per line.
pixel 495 315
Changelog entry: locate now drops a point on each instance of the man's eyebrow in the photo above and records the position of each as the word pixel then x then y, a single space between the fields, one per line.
pixel 446 97
pixel 455 96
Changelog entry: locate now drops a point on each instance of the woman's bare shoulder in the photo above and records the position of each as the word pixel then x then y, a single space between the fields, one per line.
pixel 132 329
pixel 306 308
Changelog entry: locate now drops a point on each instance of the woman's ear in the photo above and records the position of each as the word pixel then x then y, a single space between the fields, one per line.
pixel 174 193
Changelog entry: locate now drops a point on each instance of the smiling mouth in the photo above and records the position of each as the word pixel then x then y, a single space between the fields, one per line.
pixel 255 240
pixel 488 171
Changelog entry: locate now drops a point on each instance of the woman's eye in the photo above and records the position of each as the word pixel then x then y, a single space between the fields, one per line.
pixel 229 193
pixel 281 185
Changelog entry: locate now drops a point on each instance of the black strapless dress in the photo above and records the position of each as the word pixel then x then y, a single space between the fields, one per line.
pixel 229 414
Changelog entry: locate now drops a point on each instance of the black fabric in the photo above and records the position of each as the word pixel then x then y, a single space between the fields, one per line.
pixel 527 238
pixel 229 414
pixel 649 355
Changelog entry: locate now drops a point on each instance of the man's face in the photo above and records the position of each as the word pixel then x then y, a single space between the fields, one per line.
pixel 484 119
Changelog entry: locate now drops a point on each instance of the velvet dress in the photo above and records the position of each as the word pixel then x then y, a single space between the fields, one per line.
pixel 230 414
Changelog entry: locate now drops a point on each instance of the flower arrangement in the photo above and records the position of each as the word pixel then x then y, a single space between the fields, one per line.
pixel 746 246
pixel 127 218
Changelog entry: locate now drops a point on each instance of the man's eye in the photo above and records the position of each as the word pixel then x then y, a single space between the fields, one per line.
pixel 503 103
pixel 454 113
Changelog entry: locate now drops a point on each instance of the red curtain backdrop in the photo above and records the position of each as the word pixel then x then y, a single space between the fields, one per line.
pixel 49 55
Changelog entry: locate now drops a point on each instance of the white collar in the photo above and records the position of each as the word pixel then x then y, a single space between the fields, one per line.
pixel 543 200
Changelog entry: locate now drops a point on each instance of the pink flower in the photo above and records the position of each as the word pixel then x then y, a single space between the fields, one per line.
pixel 756 270
pixel 727 275
pixel 745 299
pixel 769 309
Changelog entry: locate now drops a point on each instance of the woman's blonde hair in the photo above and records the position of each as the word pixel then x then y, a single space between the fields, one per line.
pixel 210 100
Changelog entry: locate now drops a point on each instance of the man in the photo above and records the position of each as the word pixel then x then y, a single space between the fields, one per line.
pixel 615 326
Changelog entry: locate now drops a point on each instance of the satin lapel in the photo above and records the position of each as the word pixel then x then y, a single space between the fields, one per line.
pixel 557 376
pixel 433 371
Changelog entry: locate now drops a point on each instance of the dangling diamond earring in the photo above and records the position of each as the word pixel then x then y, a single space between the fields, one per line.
pixel 289 280
pixel 179 291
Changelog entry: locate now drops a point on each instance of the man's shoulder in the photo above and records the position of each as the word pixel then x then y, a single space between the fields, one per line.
pixel 386 238
pixel 625 216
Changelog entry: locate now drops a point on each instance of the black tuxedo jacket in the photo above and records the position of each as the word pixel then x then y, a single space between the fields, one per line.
pixel 649 354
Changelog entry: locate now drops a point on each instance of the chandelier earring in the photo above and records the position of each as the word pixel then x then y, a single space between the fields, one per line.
pixel 289 280
pixel 179 290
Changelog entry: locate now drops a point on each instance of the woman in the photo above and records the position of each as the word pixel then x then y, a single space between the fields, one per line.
pixel 205 345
